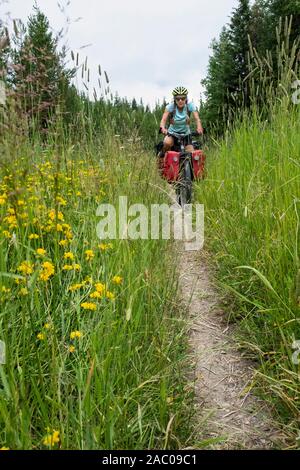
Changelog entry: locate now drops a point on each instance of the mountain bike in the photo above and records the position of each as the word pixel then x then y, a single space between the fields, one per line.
pixel 181 167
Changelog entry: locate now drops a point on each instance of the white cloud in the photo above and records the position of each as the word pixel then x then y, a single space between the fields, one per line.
pixel 147 48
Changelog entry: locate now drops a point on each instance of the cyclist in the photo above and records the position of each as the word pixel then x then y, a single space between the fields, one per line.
pixel 179 111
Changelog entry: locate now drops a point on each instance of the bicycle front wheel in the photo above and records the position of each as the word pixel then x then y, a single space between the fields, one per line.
pixel 185 185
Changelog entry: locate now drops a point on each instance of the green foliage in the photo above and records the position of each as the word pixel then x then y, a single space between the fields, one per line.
pixel 40 80
pixel 218 82
pixel 227 69
pixel 120 385
pixel 285 8
pixel 255 29
pixel 42 93
pixel 252 199
pixel 4 51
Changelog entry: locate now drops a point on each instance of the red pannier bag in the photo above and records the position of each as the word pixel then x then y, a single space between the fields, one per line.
pixel 171 166
pixel 198 163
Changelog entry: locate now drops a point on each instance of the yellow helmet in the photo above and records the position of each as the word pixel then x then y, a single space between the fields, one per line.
pixel 179 90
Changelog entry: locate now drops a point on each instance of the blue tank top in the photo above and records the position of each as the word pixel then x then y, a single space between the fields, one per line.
pixel 180 125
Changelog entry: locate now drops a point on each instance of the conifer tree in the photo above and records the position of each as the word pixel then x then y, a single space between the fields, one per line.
pixel 239 29
pixel 4 51
pixel 40 78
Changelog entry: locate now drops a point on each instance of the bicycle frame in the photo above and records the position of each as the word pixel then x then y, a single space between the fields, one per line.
pixel 183 185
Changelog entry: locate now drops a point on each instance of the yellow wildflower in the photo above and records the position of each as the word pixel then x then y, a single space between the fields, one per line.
pixel 71 348
pixel 26 267
pixel 24 291
pixel 69 255
pixel 67 267
pixel 61 201
pixel 48 270
pixel 88 306
pixel 105 246
pixel 4 448
pixel 51 439
pixel 33 236
pixel 70 267
pixel 100 287
pixel 89 255
pixel 63 242
pixel 3 198
pixel 69 235
pixel 110 295
pixel 96 295
pixel 75 334
pixel 48 326
pixel 11 220
pixel 88 280
pixel 52 215
pixel 5 290
pixel 59 228
pixel 66 227
pixel 48 227
pixel 41 336
pixel 75 287
pixel 6 233
pixel 40 252
pixel 117 279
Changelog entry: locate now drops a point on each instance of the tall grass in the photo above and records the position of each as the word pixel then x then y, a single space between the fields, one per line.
pixel 82 372
pixel 252 203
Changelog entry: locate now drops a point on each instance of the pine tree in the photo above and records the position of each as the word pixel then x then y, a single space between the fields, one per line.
pixel 40 78
pixel 219 81
pixel 239 29
pixel 134 104
pixel 260 26
pixel 4 51
pixel 282 9
pixel 228 67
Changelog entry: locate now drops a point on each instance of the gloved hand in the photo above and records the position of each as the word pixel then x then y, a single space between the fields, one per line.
pixel 163 130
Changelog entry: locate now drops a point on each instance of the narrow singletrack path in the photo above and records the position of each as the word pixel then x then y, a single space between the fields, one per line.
pixel 225 405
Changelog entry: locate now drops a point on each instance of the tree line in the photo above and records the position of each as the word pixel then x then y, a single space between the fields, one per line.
pixel 40 88
pixel 253 32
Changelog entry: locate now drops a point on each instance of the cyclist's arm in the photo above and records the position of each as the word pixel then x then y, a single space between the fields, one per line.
pixel 198 122
pixel 164 120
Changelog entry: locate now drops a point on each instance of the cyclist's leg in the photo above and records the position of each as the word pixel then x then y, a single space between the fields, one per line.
pixel 168 143
pixel 188 146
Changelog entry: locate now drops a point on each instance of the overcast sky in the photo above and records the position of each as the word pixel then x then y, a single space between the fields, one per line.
pixel 146 47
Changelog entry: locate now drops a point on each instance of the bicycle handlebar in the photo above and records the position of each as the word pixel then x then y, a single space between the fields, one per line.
pixel 181 136
pixel 192 134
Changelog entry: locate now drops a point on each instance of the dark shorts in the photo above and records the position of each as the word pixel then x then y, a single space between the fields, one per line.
pixel 186 141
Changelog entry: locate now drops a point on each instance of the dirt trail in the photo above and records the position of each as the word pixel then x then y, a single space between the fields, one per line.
pixel 225 406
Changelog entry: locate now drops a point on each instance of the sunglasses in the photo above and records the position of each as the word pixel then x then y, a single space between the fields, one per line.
pixel 180 98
